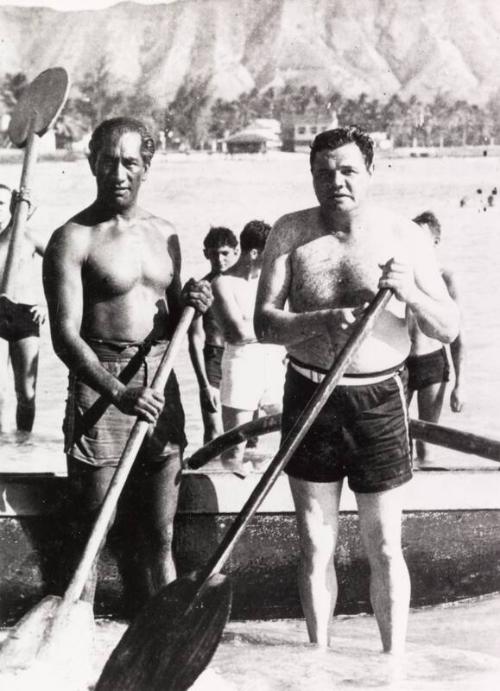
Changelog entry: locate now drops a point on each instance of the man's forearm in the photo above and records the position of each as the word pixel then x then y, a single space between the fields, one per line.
pixel 288 328
pixel 457 352
pixel 437 319
pixel 81 360
pixel 198 361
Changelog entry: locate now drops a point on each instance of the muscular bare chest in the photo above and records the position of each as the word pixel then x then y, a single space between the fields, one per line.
pixel 119 262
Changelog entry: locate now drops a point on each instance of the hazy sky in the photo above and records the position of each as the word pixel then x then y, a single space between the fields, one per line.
pixel 75 4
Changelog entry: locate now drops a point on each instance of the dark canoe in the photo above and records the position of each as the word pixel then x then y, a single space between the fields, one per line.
pixel 451 531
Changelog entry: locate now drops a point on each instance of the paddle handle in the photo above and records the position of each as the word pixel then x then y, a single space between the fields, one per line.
pixel 298 431
pixel 21 211
pixel 134 442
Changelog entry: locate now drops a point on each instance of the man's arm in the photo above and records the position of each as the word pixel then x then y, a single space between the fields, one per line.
pixel 273 323
pixel 457 351
pixel 62 266
pixel 197 294
pixel 418 283
pixel 196 338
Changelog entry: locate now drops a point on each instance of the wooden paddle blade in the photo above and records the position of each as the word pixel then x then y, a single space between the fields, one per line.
pixel 49 648
pixel 23 642
pixel 173 638
pixel 39 105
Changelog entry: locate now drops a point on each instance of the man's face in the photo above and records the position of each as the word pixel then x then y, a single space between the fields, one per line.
pixel 221 258
pixel 340 177
pixel 5 196
pixel 119 170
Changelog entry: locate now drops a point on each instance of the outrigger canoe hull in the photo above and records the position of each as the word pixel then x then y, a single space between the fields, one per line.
pixel 450 537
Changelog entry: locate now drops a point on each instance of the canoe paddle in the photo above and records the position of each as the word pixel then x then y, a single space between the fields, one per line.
pixel 35 113
pixel 448 437
pixel 53 635
pixel 175 635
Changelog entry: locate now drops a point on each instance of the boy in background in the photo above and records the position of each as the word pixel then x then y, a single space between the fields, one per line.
pixel 206 341
pixel 428 364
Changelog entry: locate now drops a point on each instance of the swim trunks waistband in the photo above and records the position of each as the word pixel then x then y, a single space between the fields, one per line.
pixel 317 374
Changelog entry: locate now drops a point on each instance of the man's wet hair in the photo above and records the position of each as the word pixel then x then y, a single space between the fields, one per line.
pixel 220 236
pixel 120 126
pixel 429 219
pixel 333 139
pixel 254 236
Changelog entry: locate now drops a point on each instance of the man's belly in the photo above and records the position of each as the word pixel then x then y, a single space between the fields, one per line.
pixel 127 321
pixel 387 346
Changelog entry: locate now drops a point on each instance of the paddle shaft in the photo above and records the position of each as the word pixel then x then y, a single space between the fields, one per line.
pixel 127 459
pixel 21 211
pixel 297 433
pixel 448 437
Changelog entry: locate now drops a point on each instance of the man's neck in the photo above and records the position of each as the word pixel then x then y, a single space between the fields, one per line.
pixel 104 212
pixel 246 267
pixel 340 223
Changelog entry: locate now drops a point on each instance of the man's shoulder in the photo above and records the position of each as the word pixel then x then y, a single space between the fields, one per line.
pixel 74 233
pixel 294 229
pixel 297 219
pixel 158 223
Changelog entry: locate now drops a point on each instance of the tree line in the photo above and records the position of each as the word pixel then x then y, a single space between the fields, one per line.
pixel 194 118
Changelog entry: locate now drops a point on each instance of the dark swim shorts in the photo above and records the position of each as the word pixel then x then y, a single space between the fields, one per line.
pixel 213 364
pixel 424 370
pixel 361 433
pixel 95 431
pixel 16 321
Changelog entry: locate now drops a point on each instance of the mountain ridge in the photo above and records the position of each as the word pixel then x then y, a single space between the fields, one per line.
pixel 379 47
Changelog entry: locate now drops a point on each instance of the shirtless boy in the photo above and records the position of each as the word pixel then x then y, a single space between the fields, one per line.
pixel 428 366
pixel 252 373
pixel 321 267
pixel 206 342
pixel 21 315
pixel 112 282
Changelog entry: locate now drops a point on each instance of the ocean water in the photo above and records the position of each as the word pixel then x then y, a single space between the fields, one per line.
pixel 196 192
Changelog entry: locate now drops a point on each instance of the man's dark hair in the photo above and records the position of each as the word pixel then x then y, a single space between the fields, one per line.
pixel 333 139
pixel 220 236
pixel 254 236
pixel 428 218
pixel 120 126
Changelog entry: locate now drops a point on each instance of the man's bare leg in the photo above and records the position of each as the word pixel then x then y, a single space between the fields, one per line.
pixel 317 507
pixel 24 358
pixel 4 378
pixel 161 487
pixel 380 516
pixel 430 404
pixel 232 459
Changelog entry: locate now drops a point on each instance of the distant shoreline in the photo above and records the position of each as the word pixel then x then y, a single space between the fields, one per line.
pixel 15 156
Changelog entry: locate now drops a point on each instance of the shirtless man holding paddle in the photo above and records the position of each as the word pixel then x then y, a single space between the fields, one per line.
pixel 321 267
pixel 112 282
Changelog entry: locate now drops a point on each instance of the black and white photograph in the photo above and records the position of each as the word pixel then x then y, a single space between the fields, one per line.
pixel 248 418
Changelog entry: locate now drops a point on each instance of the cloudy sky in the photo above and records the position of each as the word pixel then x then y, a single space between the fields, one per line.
pixel 75 4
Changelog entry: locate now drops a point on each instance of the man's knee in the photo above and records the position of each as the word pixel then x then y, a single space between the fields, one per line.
pixel 383 552
pixel 25 394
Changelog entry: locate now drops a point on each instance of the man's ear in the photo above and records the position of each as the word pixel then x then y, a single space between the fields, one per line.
pixel 146 171
pixel 254 254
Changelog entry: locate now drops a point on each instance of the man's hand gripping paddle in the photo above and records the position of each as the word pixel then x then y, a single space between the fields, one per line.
pixel 51 642
pixel 35 113
pixel 176 634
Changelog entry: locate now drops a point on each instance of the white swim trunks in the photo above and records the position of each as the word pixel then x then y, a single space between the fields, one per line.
pixel 253 376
